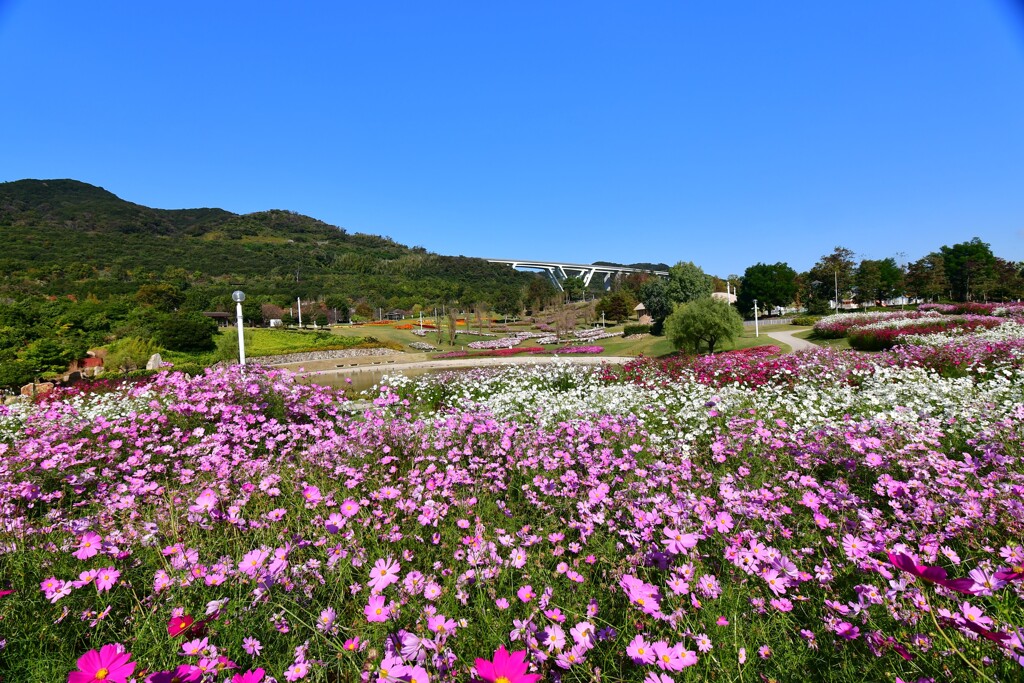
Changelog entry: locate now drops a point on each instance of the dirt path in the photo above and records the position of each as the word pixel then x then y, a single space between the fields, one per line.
pixel 795 343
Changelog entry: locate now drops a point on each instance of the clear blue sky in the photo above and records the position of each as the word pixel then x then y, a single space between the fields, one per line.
pixel 723 133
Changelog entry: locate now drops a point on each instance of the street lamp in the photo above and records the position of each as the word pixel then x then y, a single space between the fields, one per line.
pixel 238 296
pixel 756 331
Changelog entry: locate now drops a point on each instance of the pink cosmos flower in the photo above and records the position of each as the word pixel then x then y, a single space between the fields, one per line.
pixel 655 677
pixel 376 609
pixel 383 574
pixel 252 646
pixel 640 651
pixel 416 674
pixel 206 501
pixel 255 676
pixel 349 508
pixel 312 496
pixel 297 671
pixel 526 593
pixel 194 648
pixel 931 574
pixel 108 665
pixel 89 545
pixel 352 644
pixel 673 657
pixel 974 615
pixel 106 578
pixel 186 673
pixel 677 543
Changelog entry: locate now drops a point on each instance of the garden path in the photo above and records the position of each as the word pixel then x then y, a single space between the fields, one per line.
pixel 795 343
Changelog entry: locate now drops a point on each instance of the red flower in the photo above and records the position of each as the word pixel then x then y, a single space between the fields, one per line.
pixel 506 668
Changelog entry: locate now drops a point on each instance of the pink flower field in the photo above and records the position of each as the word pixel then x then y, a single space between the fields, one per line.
pixel 743 517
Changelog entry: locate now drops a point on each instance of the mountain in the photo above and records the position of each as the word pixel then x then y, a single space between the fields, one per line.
pixel 66 236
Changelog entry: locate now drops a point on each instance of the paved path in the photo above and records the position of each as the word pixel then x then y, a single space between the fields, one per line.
pixel 795 343
pixel 397 363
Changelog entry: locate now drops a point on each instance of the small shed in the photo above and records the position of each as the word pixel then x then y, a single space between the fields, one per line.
pixel 639 309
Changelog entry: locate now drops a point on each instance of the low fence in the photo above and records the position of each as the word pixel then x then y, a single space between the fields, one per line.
pixel 769 321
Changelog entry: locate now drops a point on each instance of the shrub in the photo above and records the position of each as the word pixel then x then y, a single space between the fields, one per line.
pixel 807 320
pixel 630 330
pixel 129 354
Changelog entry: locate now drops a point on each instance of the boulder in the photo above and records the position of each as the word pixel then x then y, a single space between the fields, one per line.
pixel 154 363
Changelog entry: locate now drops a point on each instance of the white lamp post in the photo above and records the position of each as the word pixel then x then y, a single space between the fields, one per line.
pixel 756 331
pixel 238 296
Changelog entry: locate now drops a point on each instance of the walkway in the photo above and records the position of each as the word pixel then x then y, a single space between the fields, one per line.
pixel 795 343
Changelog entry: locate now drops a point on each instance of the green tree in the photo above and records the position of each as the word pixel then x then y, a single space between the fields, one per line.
pixel 867 282
pixel 655 296
pixel 616 306
pixel 770 284
pixel 162 297
pixel 926 277
pixel 189 332
pixel 831 272
pixel 46 355
pixel 688 282
pixel 704 323
pixel 574 287
pixel 969 265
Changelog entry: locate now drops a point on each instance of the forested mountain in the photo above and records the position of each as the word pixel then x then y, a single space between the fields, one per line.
pixel 67 237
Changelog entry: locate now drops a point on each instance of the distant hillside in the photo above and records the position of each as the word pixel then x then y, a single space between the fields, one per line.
pixel 63 236
pixel 639 266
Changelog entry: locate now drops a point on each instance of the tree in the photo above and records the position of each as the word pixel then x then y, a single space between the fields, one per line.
pixel 687 282
pixel 190 332
pixel 616 305
pixel 867 282
pixel 46 355
pixel 655 297
pixel 771 285
pixel 574 287
pixel 162 297
pixel 968 265
pixel 507 301
pixel 831 272
pixel 704 322
pixel 539 291
pixel 926 277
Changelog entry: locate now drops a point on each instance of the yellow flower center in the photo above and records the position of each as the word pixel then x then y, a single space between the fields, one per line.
pixel 379 610
pixel 640 650
pixel 501 679
pixel 101 674
pixel 666 659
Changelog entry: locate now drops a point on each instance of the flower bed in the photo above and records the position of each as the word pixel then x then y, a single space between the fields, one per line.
pixel 886 334
pixel 739 516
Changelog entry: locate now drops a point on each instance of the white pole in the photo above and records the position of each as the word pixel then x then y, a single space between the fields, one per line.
pixel 421 321
pixel 299 300
pixel 757 332
pixel 241 337
pixel 836 274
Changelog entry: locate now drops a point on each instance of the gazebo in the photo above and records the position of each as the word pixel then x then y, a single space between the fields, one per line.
pixel 639 310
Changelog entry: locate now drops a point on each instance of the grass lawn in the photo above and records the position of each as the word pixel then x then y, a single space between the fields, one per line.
pixel 842 344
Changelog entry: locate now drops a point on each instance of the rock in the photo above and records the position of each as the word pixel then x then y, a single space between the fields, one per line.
pixel 37 389
pixel 154 363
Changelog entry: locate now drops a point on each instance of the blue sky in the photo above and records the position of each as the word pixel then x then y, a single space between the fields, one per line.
pixel 724 133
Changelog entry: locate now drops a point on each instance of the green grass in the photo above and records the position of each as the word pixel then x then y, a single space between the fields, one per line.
pixel 616 346
pixel 842 344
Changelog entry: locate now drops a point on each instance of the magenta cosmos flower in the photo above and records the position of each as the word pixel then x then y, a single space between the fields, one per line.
pixel 106 664
pixel 506 668
pixel 930 574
